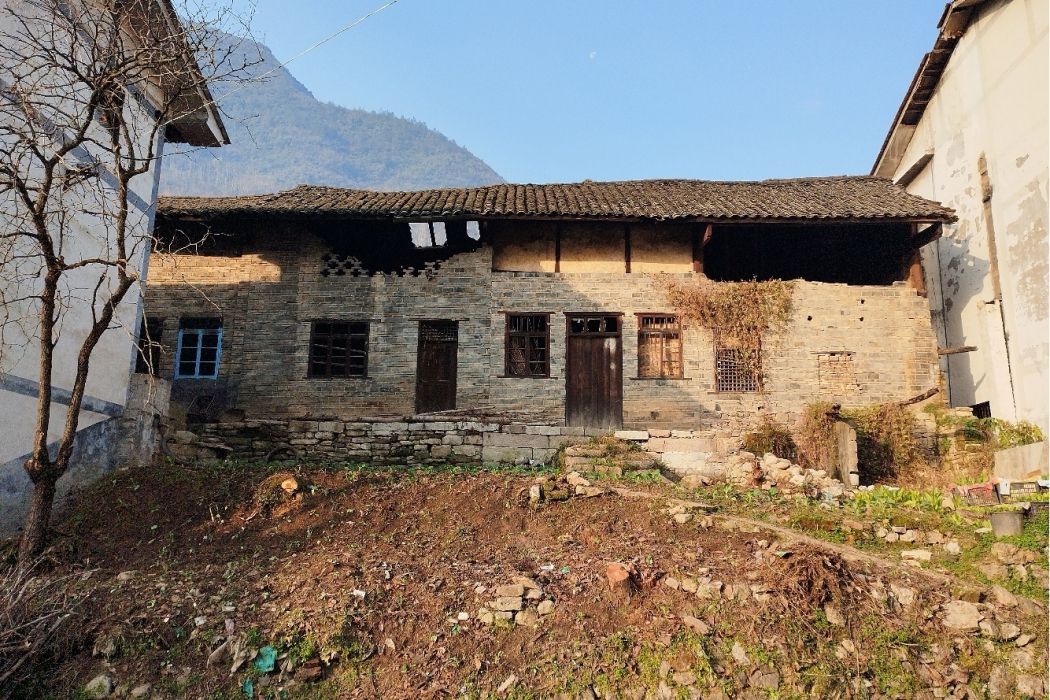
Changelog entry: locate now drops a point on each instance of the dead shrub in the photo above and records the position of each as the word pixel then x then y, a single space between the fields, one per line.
pixel 814 437
pixel 810 577
pixel 886 447
pixel 35 615
pixel 771 436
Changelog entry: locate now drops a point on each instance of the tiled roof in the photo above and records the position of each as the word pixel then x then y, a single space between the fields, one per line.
pixel 824 198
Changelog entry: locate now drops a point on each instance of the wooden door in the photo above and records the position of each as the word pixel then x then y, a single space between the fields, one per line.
pixel 436 366
pixel 594 371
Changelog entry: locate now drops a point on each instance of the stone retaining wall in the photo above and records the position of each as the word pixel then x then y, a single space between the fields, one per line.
pixel 385 441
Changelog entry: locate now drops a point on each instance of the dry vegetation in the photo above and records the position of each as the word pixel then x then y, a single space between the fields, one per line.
pixel 740 313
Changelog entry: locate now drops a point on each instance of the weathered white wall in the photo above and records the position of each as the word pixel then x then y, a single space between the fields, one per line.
pixel 992 99
pixel 86 236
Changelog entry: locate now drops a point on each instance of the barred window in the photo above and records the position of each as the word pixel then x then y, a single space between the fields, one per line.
pixel 731 372
pixel 659 346
pixel 528 345
pixel 339 349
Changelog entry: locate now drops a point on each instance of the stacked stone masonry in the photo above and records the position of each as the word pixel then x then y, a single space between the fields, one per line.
pixel 381 441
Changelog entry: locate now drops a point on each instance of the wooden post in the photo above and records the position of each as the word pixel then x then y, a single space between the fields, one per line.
pixel 698 252
pixel 627 247
pixel 698 248
pixel 557 247
pixel 913 266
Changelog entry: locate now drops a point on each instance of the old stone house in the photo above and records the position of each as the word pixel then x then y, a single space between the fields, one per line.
pixel 544 303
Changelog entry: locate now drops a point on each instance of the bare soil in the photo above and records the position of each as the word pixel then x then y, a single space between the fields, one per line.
pixel 368 571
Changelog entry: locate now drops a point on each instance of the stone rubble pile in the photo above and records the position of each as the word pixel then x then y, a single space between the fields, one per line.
pixel 523 602
pixel 562 488
pixel 745 469
pixel 899 533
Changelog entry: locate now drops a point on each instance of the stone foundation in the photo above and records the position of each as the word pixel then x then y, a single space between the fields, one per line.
pixel 419 441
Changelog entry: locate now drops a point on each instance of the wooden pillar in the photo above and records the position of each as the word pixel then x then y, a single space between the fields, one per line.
pixel 627 247
pixel 913 265
pixel 698 247
pixel 557 247
pixel 915 277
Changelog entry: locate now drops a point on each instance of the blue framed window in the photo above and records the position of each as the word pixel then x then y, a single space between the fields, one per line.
pixel 199 348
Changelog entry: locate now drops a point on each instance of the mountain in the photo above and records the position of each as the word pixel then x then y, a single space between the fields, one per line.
pixel 283 136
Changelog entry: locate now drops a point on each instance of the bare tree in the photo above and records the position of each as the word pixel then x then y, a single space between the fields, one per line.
pixel 89 90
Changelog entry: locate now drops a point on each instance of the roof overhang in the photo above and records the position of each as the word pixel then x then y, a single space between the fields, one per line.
pixel 198 122
pixel 951 27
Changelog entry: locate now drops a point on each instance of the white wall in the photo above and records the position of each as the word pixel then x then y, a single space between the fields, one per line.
pixel 992 99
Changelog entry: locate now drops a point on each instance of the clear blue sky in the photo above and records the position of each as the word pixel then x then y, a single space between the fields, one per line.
pixel 563 90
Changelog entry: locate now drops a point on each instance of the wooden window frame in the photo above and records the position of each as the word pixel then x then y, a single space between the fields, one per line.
pixel 571 316
pixel 310 362
pixel 508 334
pixel 663 334
pixel 198 328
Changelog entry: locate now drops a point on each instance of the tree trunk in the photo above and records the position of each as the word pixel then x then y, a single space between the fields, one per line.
pixel 33 536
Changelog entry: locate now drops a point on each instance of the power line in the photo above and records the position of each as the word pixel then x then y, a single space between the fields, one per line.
pixel 304 52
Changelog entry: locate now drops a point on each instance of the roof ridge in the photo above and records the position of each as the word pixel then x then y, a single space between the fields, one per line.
pixel 837 197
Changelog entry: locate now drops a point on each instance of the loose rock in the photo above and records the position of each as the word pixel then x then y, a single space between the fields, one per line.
pixel 696 624
pixel 963 616
pixel 100 686
pixel 1004 597
pixel 739 655
pixel 917 554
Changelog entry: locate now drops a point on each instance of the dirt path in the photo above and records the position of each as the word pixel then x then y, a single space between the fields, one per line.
pixel 851 554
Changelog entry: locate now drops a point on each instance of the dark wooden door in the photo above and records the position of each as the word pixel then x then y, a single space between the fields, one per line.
pixel 594 371
pixel 436 366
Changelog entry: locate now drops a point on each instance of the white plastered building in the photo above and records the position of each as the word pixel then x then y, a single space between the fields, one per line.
pixel 105 431
pixel 972 133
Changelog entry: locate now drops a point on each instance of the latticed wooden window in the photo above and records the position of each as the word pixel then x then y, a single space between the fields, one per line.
pixel 528 345
pixel 731 371
pixel 659 346
pixel 339 349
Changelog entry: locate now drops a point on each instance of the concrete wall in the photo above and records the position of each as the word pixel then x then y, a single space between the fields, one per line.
pixel 881 334
pixel 129 440
pixel 993 100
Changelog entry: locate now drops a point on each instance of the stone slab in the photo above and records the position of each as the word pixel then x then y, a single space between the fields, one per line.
pixel 507 455
pixel 516 440
pixel 635 435
pixel 681 445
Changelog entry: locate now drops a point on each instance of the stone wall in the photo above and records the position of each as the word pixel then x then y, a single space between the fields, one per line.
pixel 854 345
pixel 471 440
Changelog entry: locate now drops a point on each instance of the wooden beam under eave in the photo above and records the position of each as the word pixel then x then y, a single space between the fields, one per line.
pixel 627 248
pixel 913 265
pixel 699 241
